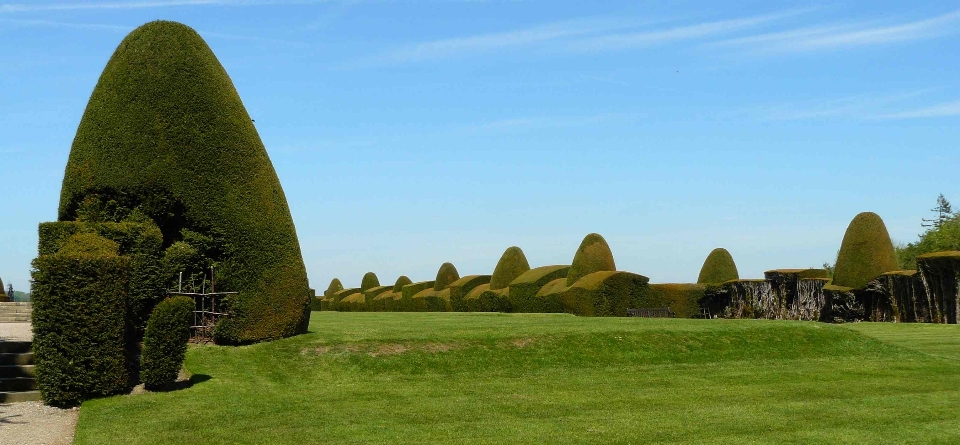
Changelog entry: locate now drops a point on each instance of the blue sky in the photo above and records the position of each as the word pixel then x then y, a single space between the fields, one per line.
pixel 410 133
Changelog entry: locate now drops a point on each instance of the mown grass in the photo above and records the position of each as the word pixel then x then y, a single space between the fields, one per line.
pixel 534 378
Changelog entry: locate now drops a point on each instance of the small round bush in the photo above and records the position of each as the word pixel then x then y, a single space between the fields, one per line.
pixel 594 255
pixel 165 342
pixel 512 264
pixel 718 268
pixel 866 252
pixel 369 281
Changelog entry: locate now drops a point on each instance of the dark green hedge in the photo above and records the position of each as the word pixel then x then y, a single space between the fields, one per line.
pixel 369 281
pixel 406 294
pixel 682 298
pixel 549 299
pixel 165 134
pixel 484 299
pixel 460 288
pixel 446 275
pixel 333 288
pixel 593 255
pixel 165 341
pixel 718 268
pixel 523 290
pixel 355 302
pixel 866 252
pixel 512 264
pixel 79 327
pixel 605 294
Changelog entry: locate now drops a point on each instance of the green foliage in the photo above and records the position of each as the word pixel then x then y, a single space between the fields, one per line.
pixel 369 281
pixel 333 288
pixel 549 298
pixel 593 255
pixel 355 302
pixel 3 293
pixel 683 299
pixel 165 341
pixel 460 288
pixel 89 244
pixel 407 293
pixel 79 326
pixel 523 290
pixel 402 280
pixel 605 294
pixel 489 300
pixel 944 236
pixel 446 275
pixel 166 135
pixel 512 264
pixel 431 300
pixel 718 268
pixel 866 252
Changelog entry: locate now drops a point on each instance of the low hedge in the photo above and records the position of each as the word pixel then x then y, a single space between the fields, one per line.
pixel 524 289
pixel 605 294
pixel 355 302
pixel 484 299
pixel 460 288
pixel 165 341
pixel 430 300
pixel 683 299
pixel 79 326
pixel 385 302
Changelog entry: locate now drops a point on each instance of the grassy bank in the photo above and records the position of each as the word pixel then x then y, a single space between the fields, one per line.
pixel 494 378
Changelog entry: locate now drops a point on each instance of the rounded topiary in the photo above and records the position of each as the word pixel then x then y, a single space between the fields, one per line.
pixel 165 341
pixel 334 287
pixel 3 292
pixel 401 281
pixel 718 268
pixel 512 264
pixel 89 244
pixel 166 133
pixel 593 255
pixel 445 276
pixel 369 281
pixel 866 252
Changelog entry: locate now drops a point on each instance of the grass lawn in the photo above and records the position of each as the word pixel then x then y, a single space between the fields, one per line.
pixel 538 378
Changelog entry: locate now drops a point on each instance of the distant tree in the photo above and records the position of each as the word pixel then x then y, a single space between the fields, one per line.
pixel 10 290
pixel 943 211
pixel 943 233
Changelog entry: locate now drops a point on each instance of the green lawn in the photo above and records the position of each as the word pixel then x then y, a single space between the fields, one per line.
pixel 537 378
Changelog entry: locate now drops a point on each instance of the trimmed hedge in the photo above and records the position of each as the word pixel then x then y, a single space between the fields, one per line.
pixel 490 300
pixel 408 291
pixel 866 252
pixel 460 288
pixel 445 276
pixel 523 290
pixel 593 255
pixel 3 292
pixel 355 302
pixel 718 268
pixel 512 264
pixel 605 294
pixel 369 281
pixel 940 274
pixel 390 301
pixel 165 341
pixel 165 134
pixel 682 298
pixel 333 288
pixel 549 299
pixel 79 326
pixel 323 303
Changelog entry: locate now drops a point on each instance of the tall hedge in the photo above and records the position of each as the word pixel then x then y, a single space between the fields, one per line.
pixel 369 281
pixel 524 289
pixel 445 275
pixel 460 288
pixel 718 268
pixel 512 264
pixel 866 252
pixel 79 326
pixel 683 299
pixel 593 255
pixel 165 341
pixel 408 291
pixel 166 134
pixel 605 294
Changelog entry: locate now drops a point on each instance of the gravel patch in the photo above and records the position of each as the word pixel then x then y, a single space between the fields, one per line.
pixel 16 332
pixel 33 423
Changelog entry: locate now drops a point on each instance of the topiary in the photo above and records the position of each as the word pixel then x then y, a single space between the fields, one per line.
pixel 683 299
pixel 605 294
pixel 401 281
pixel 165 133
pixel 333 288
pixel 446 275
pixel 718 268
pixel 593 255
pixel 524 289
pixel 369 281
pixel 89 244
pixel 3 293
pixel 512 264
pixel 866 252
pixel 460 288
pixel 165 341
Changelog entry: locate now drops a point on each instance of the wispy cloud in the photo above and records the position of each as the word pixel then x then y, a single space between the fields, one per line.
pixel 845 35
pixel 123 28
pixel 941 110
pixel 860 107
pixel 522 123
pixel 33 7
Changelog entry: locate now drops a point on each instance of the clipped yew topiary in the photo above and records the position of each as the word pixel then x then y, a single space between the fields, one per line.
pixel 866 252
pixel 460 288
pixel 683 299
pixel 333 288
pixel 605 294
pixel 549 298
pixel 165 135
pixel 369 281
pixel 165 342
pixel 446 275
pixel 406 303
pixel 593 255
pixel 389 301
pixel 355 302
pixel 512 264
pixel 718 268
pixel 524 289
pixel 3 293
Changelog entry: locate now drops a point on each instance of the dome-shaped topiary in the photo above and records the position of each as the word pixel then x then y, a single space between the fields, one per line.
pixel 3 292
pixel 334 287
pixel 593 255
pixel 512 264
pixel 401 281
pixel 718 268
pixel 866 252
pixel 369 281
pixel 165 133
pixel 445 276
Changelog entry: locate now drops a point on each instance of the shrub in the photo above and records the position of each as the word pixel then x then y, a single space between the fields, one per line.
pixel 512 264
pixel 372 293
pixel 3 293
pixel 333 288
pixel 524 289
pixel 355 302
pixel 165 341
pixel 165 134
pixel 407 293
pixel 490 300
pixel 437 298
pixel 683 299
pixel 369 281
pixel 446 275
pixel 389 301
pixel 550 297
pixel 460 288
pixel 79 312
pixel 323 303
pixel 866 252
pixel 718 268
pixel 605 294
pixel 593 255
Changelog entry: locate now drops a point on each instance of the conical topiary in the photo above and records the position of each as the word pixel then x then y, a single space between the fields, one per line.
pixel 369 281
pixel 166 134
pixel 402 280
pixel 718 268
pixel 446 275
pixel 866 252
pixel 593 255
pixel 512 264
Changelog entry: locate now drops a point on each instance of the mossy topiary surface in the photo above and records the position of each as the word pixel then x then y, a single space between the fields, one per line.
pixel 3 292
pixel 866 252
pixel 605 294
pixel 460 288
pixel 523 290
pixel 402 280
pixel 446 275
pixel 593 255
pixel 512 264
pixel 165 134
pixel 549 298
pixel 718 268
pixel 334 287
pixel 409 290
pixel 682 298
pixel 369 281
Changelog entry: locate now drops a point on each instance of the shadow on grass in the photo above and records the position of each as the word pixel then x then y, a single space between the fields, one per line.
pixel 183 384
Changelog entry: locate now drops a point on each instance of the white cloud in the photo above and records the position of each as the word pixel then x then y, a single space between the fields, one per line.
pixel 941 110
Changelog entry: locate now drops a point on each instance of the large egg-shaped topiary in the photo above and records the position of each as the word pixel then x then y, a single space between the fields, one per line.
pixel 402 280
pixel 445 276
pixel 866 252
pixel 369 281
pixel 166 133
pixel 334 287
pixel 593 255
pixel 512 264
pixel 718 268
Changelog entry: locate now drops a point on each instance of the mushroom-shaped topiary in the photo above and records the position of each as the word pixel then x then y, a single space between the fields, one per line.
pixel 866 252
pixel 512 264
pixel 445 276
pixel 594 255
pixel 718 268
pixel 166 136
pixel 369 281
